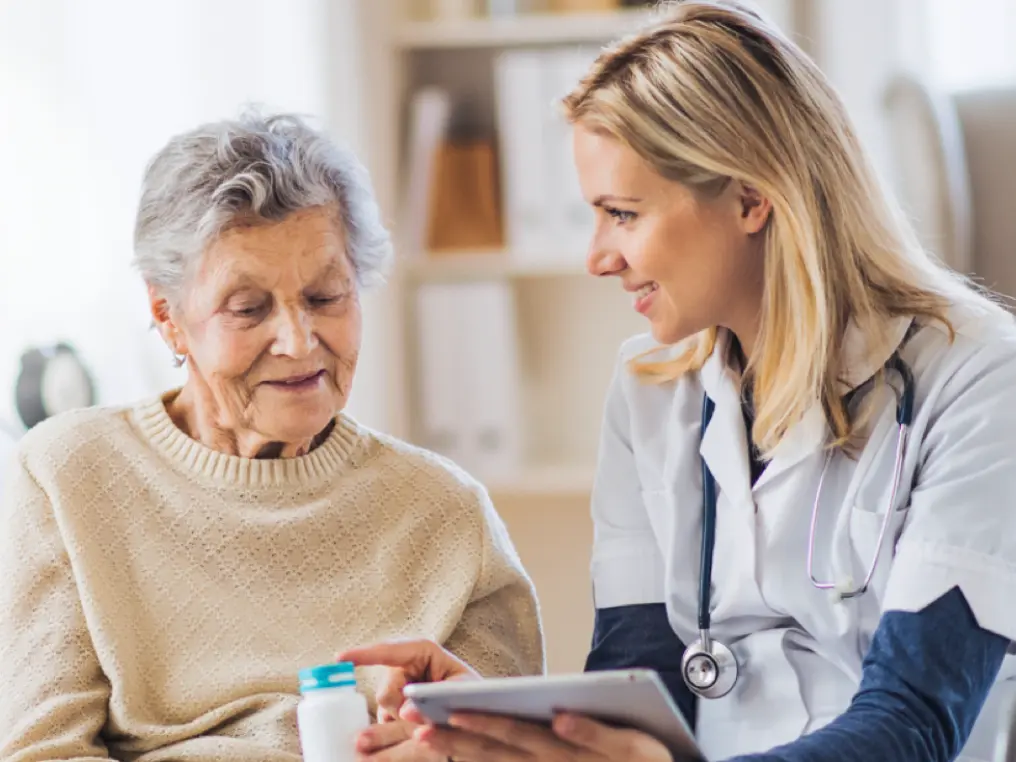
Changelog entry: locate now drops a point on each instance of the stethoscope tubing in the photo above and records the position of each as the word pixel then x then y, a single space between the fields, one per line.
pixel 706 645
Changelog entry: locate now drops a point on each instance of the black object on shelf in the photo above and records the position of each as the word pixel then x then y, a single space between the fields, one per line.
pixel 52 380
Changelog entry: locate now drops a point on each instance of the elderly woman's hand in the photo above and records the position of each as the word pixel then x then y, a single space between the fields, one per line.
pixel 394 742
pixel 415 661
pixel 475 738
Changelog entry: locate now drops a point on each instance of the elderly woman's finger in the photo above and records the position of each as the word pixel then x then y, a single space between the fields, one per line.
pixel 407 751
pixel 421 660
pixel 468 747
pixel 378 737
pixel 389 695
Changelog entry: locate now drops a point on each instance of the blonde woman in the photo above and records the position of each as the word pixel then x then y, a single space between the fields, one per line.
pixel 830 419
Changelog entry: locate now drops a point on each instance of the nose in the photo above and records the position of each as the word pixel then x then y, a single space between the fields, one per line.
pixel 295 335
pixel 604 260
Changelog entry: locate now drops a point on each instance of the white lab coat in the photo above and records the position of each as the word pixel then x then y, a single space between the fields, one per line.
pixel 799 650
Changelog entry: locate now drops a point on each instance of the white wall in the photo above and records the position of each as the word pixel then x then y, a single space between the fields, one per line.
pixel 970 43
pixel 88 91
pixel 860 45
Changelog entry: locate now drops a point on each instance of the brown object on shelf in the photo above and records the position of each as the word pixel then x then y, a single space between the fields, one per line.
pixel 573 6
pixel 464 209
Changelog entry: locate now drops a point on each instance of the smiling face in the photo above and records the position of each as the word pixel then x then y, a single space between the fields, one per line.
pixel 270 324
pixel 689 261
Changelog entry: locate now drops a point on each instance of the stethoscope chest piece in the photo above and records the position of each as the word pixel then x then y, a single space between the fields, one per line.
pixel 709 669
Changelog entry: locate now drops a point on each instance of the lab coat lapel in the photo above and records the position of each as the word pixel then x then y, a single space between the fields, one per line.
pixel 805 438
pixel 724 444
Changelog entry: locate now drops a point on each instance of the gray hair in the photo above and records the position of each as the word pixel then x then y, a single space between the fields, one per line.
pixel 260 167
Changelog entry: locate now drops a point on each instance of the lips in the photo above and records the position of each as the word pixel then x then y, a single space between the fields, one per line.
pixel 296 381
pixel 643 296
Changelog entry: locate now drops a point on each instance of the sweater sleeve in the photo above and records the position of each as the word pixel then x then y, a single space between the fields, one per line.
pixel 923 683
pixel 55 693
pixel 499 633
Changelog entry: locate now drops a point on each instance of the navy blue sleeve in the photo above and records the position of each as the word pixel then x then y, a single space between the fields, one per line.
pixel 640 636
pixel 924 681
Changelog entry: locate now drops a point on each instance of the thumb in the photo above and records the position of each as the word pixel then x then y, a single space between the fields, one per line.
pixel 410 713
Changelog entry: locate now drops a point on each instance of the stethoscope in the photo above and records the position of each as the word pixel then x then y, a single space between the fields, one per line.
pixel 708 665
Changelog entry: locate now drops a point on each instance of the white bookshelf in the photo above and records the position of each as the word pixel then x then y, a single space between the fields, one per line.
pixel 530 29
pixel 492 265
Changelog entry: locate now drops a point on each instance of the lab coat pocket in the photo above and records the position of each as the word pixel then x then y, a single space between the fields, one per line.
pixel 873 547
pixel 875 519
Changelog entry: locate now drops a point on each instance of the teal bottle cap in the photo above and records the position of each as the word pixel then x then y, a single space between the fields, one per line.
pixel 340 675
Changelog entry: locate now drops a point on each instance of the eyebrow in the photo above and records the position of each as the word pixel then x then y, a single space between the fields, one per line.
pixel 244 281
pixel 333 270
pixel 241 283
pixel 601 200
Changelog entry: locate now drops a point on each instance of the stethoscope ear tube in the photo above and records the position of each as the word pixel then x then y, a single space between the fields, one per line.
pixel 905 406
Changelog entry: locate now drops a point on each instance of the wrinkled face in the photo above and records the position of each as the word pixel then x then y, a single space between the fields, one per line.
pixel 690 262
pixel 270 323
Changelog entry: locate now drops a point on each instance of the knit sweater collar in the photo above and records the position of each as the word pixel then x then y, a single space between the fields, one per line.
pixel 331 457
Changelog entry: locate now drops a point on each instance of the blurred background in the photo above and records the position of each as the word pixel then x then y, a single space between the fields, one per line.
pixel 488 343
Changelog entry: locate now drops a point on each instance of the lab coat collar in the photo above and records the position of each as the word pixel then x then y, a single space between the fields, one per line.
pixel 725 444
pixel 863 357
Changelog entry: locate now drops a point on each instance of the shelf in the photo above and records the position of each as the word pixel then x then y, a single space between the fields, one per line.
pixel 556 481
pixel 530 29
pixel 492 266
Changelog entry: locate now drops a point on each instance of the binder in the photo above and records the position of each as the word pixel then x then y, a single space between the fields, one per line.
pixel 494 422
pixel 430 114
pixel 572 217
pixel 441 363
pixel 469 376
pixel 521 121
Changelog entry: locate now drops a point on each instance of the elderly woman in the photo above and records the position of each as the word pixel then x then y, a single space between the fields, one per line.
pixel 168 567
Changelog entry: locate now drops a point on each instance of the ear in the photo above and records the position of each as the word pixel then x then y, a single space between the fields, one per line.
pixel 162 319
pixel 755 209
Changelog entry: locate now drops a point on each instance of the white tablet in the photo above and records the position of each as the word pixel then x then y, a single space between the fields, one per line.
pixel 634 699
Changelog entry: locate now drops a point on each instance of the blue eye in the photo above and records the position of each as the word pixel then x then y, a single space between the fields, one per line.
pixel 621 215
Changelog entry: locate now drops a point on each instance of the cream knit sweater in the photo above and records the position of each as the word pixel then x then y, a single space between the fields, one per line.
pixel 158 598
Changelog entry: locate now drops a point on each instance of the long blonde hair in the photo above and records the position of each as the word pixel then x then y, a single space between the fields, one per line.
pixel 711 93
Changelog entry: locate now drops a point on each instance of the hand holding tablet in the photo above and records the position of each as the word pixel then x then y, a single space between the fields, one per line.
pixel 625 715
pixel 617 702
